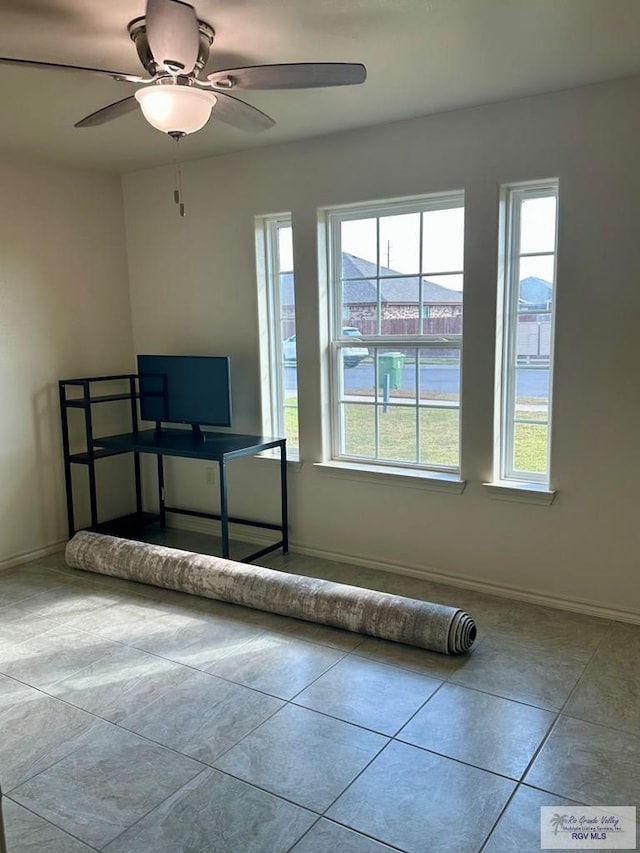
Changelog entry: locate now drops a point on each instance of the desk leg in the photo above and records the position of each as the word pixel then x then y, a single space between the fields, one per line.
pixel 224 510
pixel 3 841
pixel 66 453
pixel 161 504
pixel 283 494
pixel 88 429
pixel 138 478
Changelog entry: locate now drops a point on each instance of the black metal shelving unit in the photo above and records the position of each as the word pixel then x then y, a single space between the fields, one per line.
pixel 212 446
pixel 88 457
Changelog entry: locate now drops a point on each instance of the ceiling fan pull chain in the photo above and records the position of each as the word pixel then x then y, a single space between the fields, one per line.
pixel 177 192
pixel 180 190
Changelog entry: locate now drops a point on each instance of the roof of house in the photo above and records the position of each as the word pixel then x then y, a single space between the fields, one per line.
pixel 360 285
pixel 359 277
pixel 535 292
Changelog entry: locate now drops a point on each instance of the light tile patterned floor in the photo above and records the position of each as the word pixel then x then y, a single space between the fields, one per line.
pixel 138 720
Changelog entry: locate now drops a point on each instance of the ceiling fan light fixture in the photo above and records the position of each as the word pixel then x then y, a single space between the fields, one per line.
pixel 176 109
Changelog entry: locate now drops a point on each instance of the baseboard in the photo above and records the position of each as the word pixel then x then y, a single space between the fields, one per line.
pixel 518 593
pixel 28 556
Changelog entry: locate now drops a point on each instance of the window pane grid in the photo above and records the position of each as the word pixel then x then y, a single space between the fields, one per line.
pixel 377 278
pixel 440 273
pixel 396 324
pixel 397 407
pixel 415 453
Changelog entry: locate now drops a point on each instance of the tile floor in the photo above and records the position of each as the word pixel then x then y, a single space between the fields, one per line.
pixel 139 720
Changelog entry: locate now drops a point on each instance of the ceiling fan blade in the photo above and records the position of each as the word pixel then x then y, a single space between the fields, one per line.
pixel 119 108
pixel 173 34
pixel 55 66
pixel 238 114
pixel 296 75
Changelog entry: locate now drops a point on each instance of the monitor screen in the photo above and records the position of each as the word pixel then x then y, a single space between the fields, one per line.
pixel 185 389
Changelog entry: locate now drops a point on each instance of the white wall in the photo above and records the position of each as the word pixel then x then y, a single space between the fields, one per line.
pixel 64 312
pixel 193 290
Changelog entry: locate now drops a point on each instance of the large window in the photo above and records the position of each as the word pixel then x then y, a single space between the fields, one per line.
pixel 525 349
pixel 396 272
pixel 278 329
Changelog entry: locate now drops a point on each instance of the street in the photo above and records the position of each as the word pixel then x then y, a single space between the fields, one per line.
pixel 531 381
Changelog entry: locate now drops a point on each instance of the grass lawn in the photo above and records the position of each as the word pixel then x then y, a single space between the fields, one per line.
pixel 291 428
pixel 438 430
pixel 397 434
pixel 531 447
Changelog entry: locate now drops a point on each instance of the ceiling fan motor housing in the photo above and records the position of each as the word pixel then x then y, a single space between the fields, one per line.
pixel 138 33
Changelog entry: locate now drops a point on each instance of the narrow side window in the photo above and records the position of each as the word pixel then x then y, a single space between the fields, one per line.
pixel 277 318
pixel 527 320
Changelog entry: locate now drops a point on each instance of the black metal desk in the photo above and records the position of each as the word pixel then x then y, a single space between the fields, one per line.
pixel 216 447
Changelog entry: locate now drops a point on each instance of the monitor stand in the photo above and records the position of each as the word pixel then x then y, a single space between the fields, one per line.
pixel 196 435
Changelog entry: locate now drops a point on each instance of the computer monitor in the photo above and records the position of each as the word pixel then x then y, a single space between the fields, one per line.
pixel 185 389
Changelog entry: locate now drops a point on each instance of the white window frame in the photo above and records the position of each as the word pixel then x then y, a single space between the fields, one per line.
pixel 512 196
pixel 334 218
pixel 271 349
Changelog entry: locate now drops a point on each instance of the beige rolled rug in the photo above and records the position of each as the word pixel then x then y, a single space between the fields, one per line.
pixel 380 614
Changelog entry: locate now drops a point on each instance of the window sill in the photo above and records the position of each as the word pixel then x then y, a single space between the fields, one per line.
pixel 411 478
pixel 528 493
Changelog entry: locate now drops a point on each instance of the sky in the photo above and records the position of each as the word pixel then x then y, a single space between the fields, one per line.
pixel 441 259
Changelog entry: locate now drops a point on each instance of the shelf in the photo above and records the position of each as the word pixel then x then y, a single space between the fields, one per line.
pixel 81 403
pixel 121 377
pixel 126 525
pixel 98 453
pixel 124 389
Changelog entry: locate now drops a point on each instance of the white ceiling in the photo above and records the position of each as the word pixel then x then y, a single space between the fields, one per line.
pixel 422 56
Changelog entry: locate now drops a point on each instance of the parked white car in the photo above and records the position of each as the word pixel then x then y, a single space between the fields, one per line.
pixel 352 355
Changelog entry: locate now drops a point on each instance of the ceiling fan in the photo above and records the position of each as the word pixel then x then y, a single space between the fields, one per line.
pixel 173 46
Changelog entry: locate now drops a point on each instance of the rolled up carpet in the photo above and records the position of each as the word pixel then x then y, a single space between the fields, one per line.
pixel 380 614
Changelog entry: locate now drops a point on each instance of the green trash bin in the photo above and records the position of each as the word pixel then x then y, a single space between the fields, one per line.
pixel 390 364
